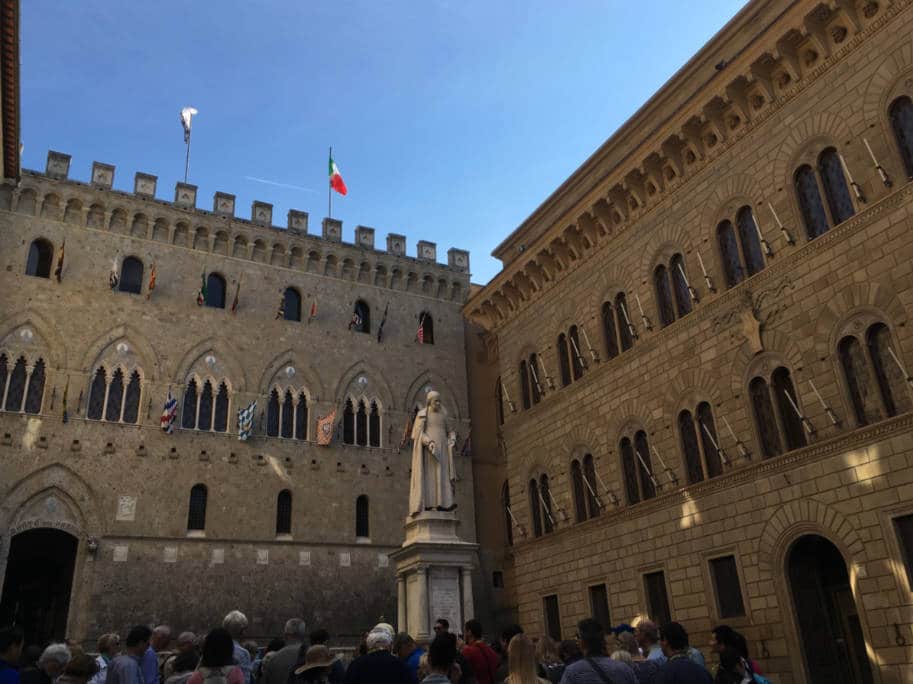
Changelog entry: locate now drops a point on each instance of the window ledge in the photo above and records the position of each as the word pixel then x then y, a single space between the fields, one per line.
pixel 284 537
pixel 362 540
pixel 196 534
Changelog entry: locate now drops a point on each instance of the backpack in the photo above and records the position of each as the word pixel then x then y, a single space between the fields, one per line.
pixel 216 675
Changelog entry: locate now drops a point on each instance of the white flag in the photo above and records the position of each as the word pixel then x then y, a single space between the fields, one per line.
pixel 186 115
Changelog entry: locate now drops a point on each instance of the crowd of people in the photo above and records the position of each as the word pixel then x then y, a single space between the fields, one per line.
pixel 626 654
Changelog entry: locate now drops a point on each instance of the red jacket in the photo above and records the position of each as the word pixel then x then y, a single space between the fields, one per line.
pixel 482 660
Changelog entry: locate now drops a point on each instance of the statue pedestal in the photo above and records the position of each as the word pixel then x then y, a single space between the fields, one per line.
pixel 433 575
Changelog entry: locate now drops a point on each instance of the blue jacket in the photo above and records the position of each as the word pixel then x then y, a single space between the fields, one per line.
pixel 412 662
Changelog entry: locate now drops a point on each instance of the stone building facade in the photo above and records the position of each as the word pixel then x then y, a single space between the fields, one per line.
pixel 106 520
pixel 703 348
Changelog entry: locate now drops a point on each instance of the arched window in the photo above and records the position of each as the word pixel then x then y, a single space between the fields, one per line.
pixel 589 483
pixel 858 384
pixel 752 255
pixel 16 389
pixel 291 304
pixel 787 401
pixel 97 395
pixel 361 317
pixel 41 256
pixel 609 330
pixel 580 512
pixel 131 276
pixel 215 291
pixel 892 384
pixel 629 469
pixel 663 295
pixel 901 115
pixel 348 423
pixel 131 399
pixel 115 396
pixel 622 318
pixel 535 385
pixel 690 448
pixel 576 353
pixel 426 328
pixel 535 510
pixel 361 425
pixel 288 415
pixel 35 391
pixel 284 512
pixel 301 417
pixel 203 411
pixel 548 518
pixel 680 285
pixel 706 429
pixel 836 189
pixel 765 420
pixel 564 361
pixel 4 376
pixel 374 426
pixel 729 253
pixel 637 469
pixel 189 408
pixel 362 528
pixel 508 520
pixel 499 398
pixel 810 203
pixel 524 385
pixel 196 515
pixel 642 452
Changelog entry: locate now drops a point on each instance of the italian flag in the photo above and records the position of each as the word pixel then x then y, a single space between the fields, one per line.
pixel 336 181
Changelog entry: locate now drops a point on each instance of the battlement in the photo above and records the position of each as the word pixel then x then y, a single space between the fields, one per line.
pixel 261 213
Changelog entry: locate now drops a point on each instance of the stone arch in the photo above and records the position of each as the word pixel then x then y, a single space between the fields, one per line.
pixel 874 297
pixel 296 257
pixel 777 345
pixel 610 282
pixel 181 234
pixel 50 206
pixel 73 211
pixel 800 517
pixel 258 253
pixel 729 196
pixel 331 264
pixel 27 201
pixel 306 375
pixel 664 242
pixel 160 230
pixel 414 394
pixel 140 226
pixel 631 413
pixel 201 239
pixel 688 387
pixel 220 243
pixel 313 262
pixel 54 349
pixel 140 349
pixel 118 221
pixel 240 248
pixel 377 385
pixel 278 255
pixel 95 216
pixel 227 364
pixel 805 140
pixel 65 483
pixel 885 84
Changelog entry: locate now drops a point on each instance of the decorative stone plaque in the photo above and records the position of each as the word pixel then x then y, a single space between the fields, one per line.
pixel 262 556
pixel 383 560
pixel 170 554
pixel 445 594
pixel 102 175
pixel 218 556
pixel 223 204
pixel 304 558
pixel 345 559
pixel 426 251
pixel 120 553
pixel 144 184
pixel 364 237
pixel 58 165
pixel 126 508
pixel 261 213
pixel 396 244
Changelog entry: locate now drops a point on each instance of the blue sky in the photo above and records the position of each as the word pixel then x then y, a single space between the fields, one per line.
pixel 451 121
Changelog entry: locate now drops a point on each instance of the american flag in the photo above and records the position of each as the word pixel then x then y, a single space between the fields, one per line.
pixel 420 333
pixel 169 413
pixel 355 322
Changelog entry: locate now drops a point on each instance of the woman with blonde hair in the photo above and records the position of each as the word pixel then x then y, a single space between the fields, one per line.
pixel 550 663
pixel 521 654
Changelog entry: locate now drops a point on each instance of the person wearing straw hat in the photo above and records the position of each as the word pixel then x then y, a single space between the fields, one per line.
pixel 316 669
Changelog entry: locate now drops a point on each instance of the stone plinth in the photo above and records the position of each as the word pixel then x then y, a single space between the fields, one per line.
pixel 433 575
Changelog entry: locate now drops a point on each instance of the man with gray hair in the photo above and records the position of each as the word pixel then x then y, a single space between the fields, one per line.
pixel 161 637
pixel 52 661
pixel 277 669
pixel 184 644
pixel 235 623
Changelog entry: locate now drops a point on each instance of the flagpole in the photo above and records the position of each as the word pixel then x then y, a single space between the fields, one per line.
pixel 330 192
pixel 187 158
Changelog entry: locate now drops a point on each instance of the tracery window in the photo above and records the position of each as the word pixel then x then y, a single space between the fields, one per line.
pixel 131 276
pixel 564 360
pixel 698 435
pixel 361 422
pixel 836 189
pixel 40 258
pixel 205 405
pixel 610 326
pixel 287 414
pixel 875 383
pixel 901 114
pixel 622 319
pixel 22 389
pixel 524 385
pixel 540 506
pixel 637 467
pixel 740 249
pixel 775 406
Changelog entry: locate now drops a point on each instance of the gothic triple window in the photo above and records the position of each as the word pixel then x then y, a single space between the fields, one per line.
pixel 740 247
pixel 637 467
pixel 205 405
pixel 901 115
pixel 21 384
pixel 827 179
pixel 361 422
pixel 673 298
pixel 114 395
pixel 700 442
pixel 875 383
pixel 776 409
pixel 615 326
pixel 287 414
pixel 583 482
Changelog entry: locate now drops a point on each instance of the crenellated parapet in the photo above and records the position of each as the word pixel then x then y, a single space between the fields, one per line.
pixel 97 205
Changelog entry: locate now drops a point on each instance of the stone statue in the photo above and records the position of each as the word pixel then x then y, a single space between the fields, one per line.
pixel 433 472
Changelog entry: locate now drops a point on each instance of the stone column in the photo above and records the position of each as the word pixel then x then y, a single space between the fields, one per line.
pixel 425 599
pixel 468 607
pixel 401 603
